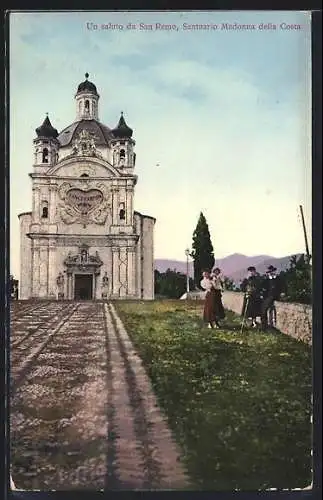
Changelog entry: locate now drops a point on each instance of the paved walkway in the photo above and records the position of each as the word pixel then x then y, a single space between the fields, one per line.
pixel 116 408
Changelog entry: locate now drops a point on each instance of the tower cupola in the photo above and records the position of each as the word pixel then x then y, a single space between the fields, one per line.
pixel 122 131
pixel 46 129
pixel 87 98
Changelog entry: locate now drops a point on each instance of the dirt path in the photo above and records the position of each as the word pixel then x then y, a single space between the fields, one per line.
pixel 85 415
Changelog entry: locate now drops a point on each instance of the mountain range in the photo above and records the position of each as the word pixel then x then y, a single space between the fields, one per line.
pixel 233 266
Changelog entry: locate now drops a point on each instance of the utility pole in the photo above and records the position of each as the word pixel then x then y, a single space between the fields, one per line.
pixel 306 244
pixel 305 235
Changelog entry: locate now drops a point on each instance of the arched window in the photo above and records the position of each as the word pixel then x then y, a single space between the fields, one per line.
pixel 44 209
pixel 87 105
pixel 45 155
pixel 122 212
pixel 122 153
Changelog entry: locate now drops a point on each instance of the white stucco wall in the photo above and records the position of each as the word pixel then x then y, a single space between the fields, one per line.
pixel 25 257
pixel 148 260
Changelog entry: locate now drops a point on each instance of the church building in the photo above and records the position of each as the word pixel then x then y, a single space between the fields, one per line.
pixel 83 239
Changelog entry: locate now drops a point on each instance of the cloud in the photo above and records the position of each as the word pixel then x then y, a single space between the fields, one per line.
pixel 227 142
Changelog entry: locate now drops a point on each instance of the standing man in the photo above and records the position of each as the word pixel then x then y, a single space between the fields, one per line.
pixel 252 296
pixel 272 292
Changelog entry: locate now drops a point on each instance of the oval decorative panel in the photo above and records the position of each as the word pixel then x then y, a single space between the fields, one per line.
pixel 84 201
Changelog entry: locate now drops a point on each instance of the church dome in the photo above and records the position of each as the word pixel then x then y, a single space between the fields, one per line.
pixel 46 129
pixel 87 86
pixel 122 130
pixel 101 133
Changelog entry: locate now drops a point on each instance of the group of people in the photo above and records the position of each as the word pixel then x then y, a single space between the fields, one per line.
pixel 259 296
pixel 213 307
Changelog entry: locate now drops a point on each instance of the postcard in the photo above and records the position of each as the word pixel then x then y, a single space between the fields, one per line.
pixel 160 250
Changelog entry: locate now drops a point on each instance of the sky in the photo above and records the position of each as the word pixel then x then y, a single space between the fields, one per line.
pixel 221 117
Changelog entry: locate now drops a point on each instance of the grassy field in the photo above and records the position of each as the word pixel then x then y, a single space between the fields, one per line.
pixel 239 405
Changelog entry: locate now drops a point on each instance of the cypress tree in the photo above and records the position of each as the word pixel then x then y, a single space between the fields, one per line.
pixel 202 249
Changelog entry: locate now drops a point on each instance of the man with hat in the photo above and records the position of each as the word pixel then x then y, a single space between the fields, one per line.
pixel 272 292
pixel 252 296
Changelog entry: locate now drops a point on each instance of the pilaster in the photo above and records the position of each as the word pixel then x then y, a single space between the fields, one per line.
pixel 123 265
pixel 51 269
pixel 52 204
pixel 35 271
pixel 43 269
pixel 131 276
pixel 115 271
pixel 115 205
pixel 129 206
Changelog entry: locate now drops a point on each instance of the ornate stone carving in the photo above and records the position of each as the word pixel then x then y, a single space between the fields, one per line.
pixel 84 145
pixel 98 241
pixel 86 206
pixel 83 262
pixel 105 286
pixel 84 201
pixel 60 285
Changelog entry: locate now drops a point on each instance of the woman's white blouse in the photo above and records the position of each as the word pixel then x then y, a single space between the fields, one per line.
pixel 215 283
pixel 207 284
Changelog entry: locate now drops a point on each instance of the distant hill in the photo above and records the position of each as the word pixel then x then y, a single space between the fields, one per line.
pixel 163 264
pixel 237 261
pixel 234 266
pixel 281 263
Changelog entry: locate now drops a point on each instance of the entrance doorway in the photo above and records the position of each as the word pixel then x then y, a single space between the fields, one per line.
pixel 83 288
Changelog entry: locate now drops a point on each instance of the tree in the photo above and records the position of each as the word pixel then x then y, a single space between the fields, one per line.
pixel 202 249
pixel 171 284
pixel 228 284
pixel 297 280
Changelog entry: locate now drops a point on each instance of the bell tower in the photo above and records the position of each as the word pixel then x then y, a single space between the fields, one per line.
pixel 123 158
pixel 122 145
pixel 46 145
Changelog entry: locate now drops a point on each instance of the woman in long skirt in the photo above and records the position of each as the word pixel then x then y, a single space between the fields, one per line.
pixel 218 286
pixel 209 314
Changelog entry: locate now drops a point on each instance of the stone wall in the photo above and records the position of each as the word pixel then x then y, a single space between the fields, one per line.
pixel 293 319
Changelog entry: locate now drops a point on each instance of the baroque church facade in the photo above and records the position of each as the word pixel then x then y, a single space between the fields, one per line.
pixel 83 239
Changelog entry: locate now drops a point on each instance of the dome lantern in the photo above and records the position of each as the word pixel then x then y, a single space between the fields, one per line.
pixel 87 86
pixel 87 99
